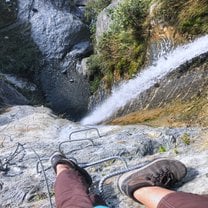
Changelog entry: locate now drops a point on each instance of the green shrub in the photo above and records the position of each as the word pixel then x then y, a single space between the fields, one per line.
pixel 95 71
pixel 93 63
pixel 162 149
pixel 186 139
pixel 94 84
pixel 122 50
pixel 131 14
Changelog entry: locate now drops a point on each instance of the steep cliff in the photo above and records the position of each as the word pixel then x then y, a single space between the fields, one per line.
pixel 132 35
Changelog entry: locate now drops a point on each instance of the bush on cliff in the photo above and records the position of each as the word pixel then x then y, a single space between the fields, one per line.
pixel 189 17
pixel 122 50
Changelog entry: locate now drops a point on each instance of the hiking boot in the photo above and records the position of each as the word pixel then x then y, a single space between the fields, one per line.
pixel 59 158
pixel 160 172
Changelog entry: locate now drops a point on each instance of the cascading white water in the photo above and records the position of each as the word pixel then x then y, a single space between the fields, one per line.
pixel 145 79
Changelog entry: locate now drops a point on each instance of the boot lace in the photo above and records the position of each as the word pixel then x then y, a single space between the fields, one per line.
pixel 163 178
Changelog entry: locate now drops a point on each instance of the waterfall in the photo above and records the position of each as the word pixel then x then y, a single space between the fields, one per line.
pixel 145 79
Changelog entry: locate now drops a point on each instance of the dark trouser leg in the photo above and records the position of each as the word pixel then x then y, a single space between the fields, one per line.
pixel 70 191
pixel 183 200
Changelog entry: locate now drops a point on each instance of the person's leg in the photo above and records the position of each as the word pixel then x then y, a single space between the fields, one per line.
pixel 160 172
pixel 143 184
pixel 72 184
pixel 183 200
pixel 151 196
pixel 157 197
pixel 70 189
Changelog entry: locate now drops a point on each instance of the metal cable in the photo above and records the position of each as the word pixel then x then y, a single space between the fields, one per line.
pixel 105 160
pixel 113 174
pixel 45 177
pixel 76 140
pixel 21 147
pixel 4 166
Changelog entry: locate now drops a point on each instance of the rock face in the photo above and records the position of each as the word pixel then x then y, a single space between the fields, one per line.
pixel 66 93
pixel 10 96
pixel 28 132
pixel 55 30
pixel 63 39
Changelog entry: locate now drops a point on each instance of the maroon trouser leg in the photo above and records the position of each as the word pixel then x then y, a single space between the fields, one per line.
pixel 70 192
pixel 183 200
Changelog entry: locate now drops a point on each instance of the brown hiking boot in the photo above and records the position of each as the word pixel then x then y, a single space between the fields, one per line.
pixel 59 158
pixel 160 172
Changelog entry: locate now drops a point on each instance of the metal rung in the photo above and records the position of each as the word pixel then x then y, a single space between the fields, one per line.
pixel 74 132
pixel 76 140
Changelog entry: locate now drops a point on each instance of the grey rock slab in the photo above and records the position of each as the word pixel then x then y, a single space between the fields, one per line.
pixel 40 132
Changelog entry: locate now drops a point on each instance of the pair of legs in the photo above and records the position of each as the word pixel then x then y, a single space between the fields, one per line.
pixel 142 185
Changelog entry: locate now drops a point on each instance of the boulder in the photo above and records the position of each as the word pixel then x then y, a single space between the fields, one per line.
pixel 54 28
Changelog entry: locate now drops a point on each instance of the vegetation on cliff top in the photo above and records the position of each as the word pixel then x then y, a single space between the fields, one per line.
pixel 121 50
pixel 189 17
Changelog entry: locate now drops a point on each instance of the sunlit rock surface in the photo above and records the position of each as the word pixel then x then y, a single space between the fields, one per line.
pixel 28 132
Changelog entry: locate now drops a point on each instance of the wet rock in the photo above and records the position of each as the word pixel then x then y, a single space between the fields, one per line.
pixel 10 96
